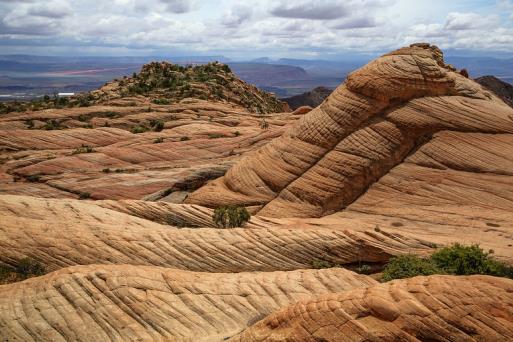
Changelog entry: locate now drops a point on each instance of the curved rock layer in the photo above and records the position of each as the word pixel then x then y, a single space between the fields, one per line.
pixel 61 233
pixel 382 114
pixel 197 141
pixel 127 303
pixel 435 308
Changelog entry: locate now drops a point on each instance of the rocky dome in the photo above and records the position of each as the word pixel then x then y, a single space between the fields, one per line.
pixel 384 113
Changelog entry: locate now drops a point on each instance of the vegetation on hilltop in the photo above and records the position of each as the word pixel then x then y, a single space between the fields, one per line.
pixel 165 83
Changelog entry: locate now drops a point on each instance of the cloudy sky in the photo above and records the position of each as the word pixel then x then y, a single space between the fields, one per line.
pixel 242 29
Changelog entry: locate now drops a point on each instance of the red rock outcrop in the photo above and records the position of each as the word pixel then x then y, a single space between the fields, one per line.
pixel 60 233
pixel 127 303
pixel 435 308
pixel 371 123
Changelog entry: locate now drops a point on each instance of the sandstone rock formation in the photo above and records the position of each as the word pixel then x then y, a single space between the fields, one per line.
pixel 60 233
pixel 116 201
pixel 199 141
pixel 382 114
pixel 435 308
pixel 126 303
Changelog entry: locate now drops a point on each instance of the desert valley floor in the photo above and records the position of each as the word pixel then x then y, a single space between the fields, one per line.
pixel 116 200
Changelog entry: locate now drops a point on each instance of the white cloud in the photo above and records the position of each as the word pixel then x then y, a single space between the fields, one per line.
pixel 264 27
pixel 470 21
pixel 237 15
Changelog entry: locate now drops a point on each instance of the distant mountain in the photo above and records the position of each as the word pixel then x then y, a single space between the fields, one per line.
pixel 502 89
pixel 311 98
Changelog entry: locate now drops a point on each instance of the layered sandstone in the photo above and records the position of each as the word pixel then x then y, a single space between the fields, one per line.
pixel 60 233
pixel 382 114
pixel 127 303
pixel 435 308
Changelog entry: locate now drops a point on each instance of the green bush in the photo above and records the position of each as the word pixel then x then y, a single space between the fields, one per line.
pixel 465 260
pixel 184 138
pixel 157 125
pixel 456 259
pixel 320 264
pixel 83 149
pixel 230 217
pixel 51 125
pixel 158 140
pixel 215 135
pixel 139 129
pixel 407 266
pixel 84 195
pixel 27 267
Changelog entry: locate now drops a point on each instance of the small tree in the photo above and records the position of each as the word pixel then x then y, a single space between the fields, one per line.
pixel 230 217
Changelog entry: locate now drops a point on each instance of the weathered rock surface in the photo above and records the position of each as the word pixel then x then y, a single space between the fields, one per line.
pixel 127 303
pixel 435 308
pixel 199 142
pixel 60 233
pixel 382 114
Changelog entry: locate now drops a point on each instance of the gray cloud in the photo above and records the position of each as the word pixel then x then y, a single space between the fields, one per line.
pixel 316 10
pixel 50 9
pixel 179 6
pixel 356 22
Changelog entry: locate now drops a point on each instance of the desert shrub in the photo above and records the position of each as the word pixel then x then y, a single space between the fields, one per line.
pixel 230 217
pixel 184 138
pixel 264 124
pixel 161 101
pixel 27 267
pixel 465 260
pixel 407 266
pixel 33 178
pixel 51 125
pixel 215 136
pixel 82 118
pixel 29 123
pixel 158 140
pixel 364 269
pixel 83 149
pixel 320 264
pixel 84 195
pixel 139 129
pixel 157 125
pixel 236 133
pixel 106 170
pixel 456 259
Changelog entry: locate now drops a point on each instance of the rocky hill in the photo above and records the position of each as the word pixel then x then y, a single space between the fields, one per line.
pixel 111 210
pixel 502 89
pixel 166 83
pixel 311 98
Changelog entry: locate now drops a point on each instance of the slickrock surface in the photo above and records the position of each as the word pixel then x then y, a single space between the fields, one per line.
pixel 383 113
pixel 406 156
pixel 60 233
pixel 199 141
pixel 435 308
pixel 126 303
